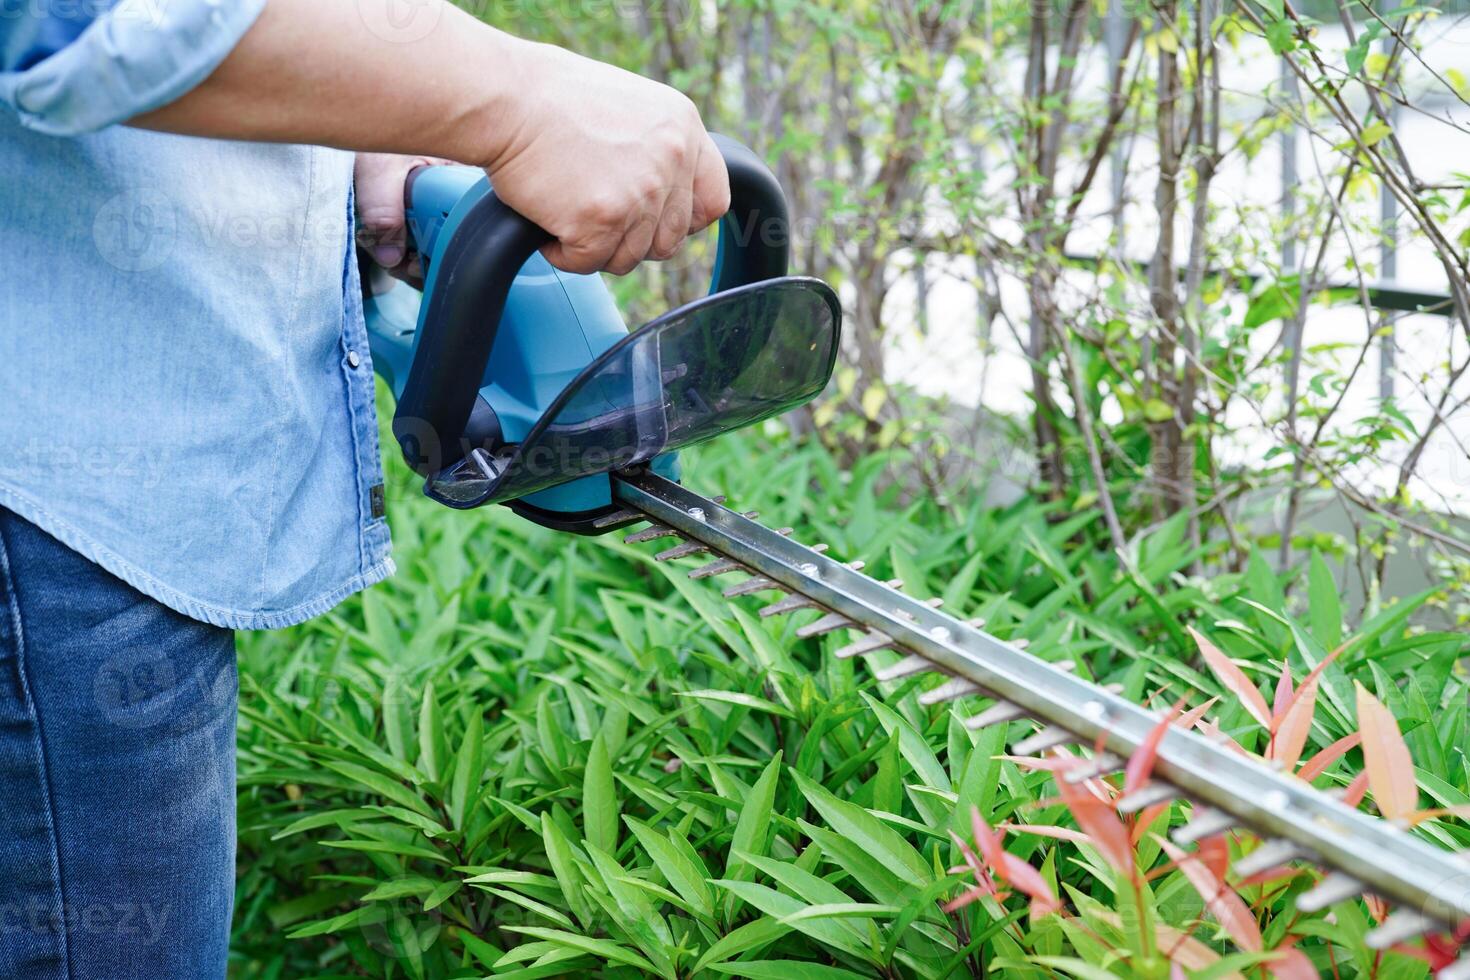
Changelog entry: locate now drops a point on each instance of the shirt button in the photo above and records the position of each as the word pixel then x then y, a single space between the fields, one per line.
pixel 352 359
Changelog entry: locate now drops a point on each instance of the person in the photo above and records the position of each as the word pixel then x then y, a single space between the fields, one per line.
pixel 187 439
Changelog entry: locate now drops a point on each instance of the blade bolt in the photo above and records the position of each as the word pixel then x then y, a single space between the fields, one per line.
pixel 697 513
pixel 940 633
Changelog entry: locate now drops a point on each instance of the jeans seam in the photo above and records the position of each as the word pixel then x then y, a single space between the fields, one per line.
pixel 12 603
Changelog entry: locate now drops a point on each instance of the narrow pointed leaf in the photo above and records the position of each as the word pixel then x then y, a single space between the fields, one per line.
pixel 1390 769
pixel 1234 679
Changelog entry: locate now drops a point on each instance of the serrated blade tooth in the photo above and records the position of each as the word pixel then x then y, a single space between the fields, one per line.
pixel 995 714
pixel 955 687
pixel 1206 822
pixel 1334 887
pixel 870 643
pixel 907 667
pixel 1147 796
pixel 682 551
pixel 1400 927
pixel 756 583
pixel 1271 854
pixel 1097 766
pixel 828 623
pixel 787 605
pixel 650 533
pixel 717 567
pixel 857 565
pixel 1458 970
pixel 1020 643
pixel 618 517
pixel 977 623
pixel 1048 737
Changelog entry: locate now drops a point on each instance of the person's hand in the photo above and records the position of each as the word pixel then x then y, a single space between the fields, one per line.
pixel 382 228
pixel 617 167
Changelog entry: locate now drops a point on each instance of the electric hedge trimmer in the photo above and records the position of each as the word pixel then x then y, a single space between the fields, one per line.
pixel 519 384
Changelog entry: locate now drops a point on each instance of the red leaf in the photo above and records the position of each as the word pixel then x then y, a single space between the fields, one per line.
pixel 1214 853
pixel 1283 697
pixel 1353 794
pixel 1191 717
pixel 1060 833
pixel 1292 964
pixel 1007 866
pixel 1419 816
pixel 1227 907
pixel 1234 680
pixel 1291 737
pixel 1318 763
pixel 1390 769
pixel 986 839
pixel 1029 880
pixel 1278 873
pixel 1100 821
pixel 1141 763
pixel 1146 819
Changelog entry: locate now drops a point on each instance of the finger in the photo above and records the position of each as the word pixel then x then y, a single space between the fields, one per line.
pixel 673 224
pixel 382 226
pixel 585 255
pixel 711 187
pixel 635 246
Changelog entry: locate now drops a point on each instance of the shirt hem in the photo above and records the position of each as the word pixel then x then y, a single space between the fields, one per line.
pixel 194 608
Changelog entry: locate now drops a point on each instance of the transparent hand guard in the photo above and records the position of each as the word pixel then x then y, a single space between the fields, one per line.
pixel 720 363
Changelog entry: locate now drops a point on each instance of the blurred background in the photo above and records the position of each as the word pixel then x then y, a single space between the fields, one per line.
pixel 1169 258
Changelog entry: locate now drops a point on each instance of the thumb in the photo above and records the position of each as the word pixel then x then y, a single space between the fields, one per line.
pixel 381 225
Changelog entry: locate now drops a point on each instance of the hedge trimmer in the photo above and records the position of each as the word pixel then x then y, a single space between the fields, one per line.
pixel 519 384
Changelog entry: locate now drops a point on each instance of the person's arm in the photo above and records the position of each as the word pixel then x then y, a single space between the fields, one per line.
pixel 616 167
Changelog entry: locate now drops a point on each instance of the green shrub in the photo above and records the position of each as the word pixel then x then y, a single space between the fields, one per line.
pixel 532 754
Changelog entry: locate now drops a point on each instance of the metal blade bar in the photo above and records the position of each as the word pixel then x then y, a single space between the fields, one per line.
pixel 1393 863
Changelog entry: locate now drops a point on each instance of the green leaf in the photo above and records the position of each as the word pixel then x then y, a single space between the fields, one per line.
pixel 1326 607
pixel 431 735
pixel 914 746
pixel 564 867
pixel 599 799
pixel 755 818
pixel 604 948
pixel 468 769
pixel 681 875
pixel 741 700
pixel 752 935
pixel 785 970
pixel 380 784
pixel 868 832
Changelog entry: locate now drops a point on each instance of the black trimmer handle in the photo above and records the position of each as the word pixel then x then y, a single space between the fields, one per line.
pixel 755 235
pixel 473 277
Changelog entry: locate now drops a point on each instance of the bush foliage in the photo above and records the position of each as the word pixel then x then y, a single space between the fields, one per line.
pixel 536 755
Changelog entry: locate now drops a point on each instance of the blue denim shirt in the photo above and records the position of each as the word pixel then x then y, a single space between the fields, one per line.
pixel 187 392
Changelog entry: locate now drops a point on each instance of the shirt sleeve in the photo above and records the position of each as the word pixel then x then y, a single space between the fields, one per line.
pixel 73 75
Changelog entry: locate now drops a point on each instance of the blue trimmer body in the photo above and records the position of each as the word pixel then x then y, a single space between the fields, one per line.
pixel 518 383
pixel 554 324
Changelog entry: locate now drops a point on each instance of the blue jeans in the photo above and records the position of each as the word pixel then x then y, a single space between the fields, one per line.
pixel 117 774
